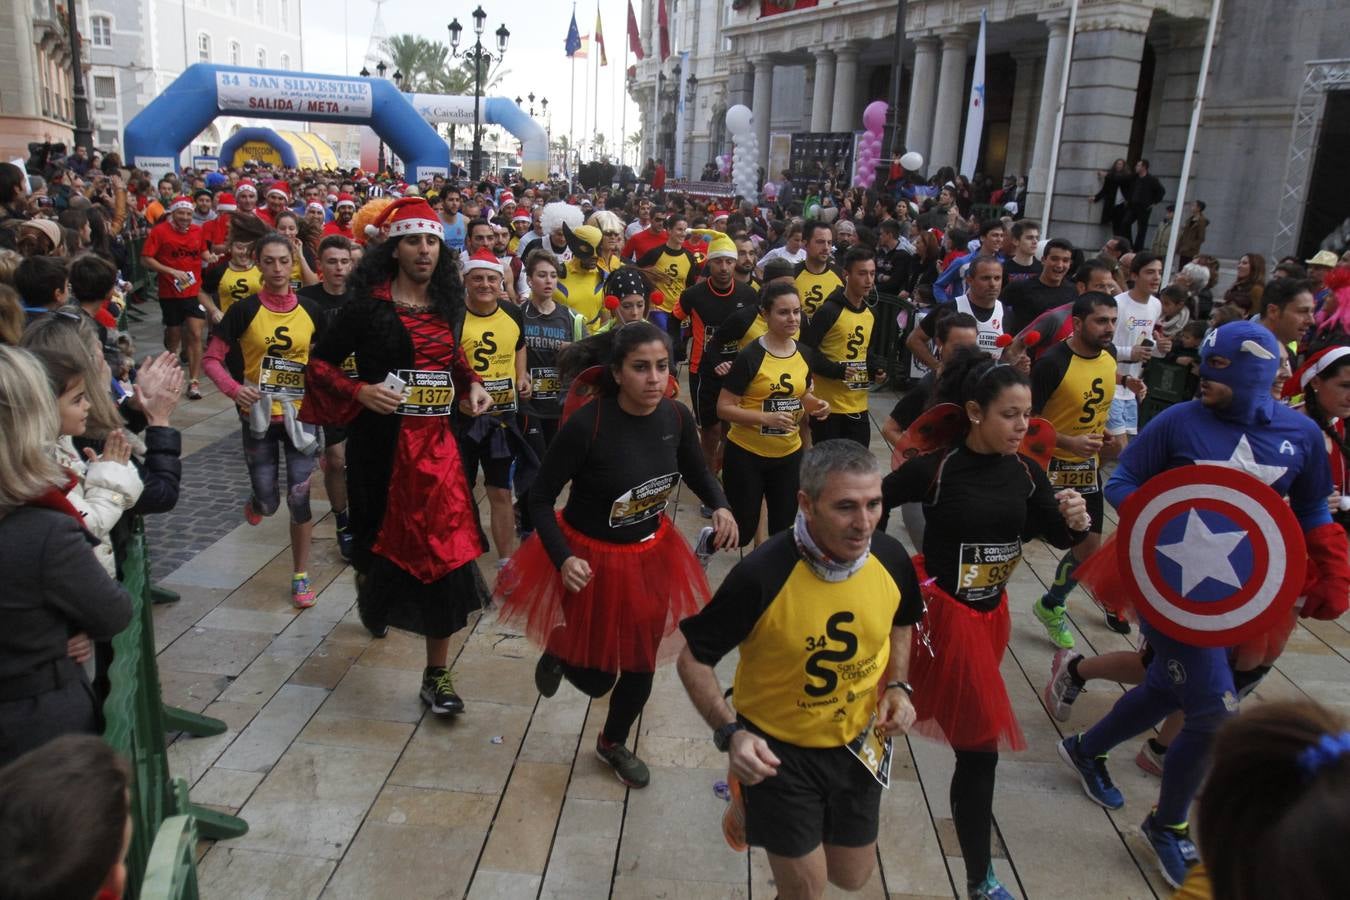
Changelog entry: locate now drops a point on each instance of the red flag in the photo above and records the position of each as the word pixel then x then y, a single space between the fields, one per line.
pixel 634 37
pixel 663 28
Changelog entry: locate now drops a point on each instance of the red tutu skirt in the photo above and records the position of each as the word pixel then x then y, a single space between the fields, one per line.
pixel 627 617
pixel 959 694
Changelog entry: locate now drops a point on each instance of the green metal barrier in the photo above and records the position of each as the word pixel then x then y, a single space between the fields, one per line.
pixel 891 336
pixel 171 872
pixel 143 284
pixel 1168 384
pixel 137 723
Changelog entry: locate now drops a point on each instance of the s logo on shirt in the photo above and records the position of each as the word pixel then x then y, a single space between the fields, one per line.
pixel 783 387
pixel 482 355
pixel 1092 399
pixel 280 341
pixel 814 663
pixel 854 342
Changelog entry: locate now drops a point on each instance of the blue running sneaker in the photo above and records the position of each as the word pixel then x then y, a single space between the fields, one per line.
pixel 1171 844
pixel 1092 773
pixel 989 889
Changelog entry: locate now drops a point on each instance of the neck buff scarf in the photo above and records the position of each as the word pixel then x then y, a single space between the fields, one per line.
pixel 822 565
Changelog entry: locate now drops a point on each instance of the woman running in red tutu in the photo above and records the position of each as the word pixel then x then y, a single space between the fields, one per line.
pixel 603 584
pixel 981 500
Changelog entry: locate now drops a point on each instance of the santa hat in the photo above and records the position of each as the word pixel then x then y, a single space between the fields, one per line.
pixel 246 187
pixel 483 258
pixel 332 198
pixel 225 202
pixel 719 244
pixel 314 204
pixel 346 200
pixel 1318 363
pixel 410 215
pixel 181 203
pixel 521 217
pixel 279 187
pixel 505 198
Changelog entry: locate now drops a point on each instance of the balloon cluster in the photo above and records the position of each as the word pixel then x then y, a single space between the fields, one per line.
pixel 723 164
pixel 745 153
pixel 869 145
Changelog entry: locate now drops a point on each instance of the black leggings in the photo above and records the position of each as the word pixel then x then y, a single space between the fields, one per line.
pixel 749 479
pixel 972 797
pixel 631 690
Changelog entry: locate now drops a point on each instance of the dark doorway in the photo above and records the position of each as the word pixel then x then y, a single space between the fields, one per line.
pixel 1143 93
pixel 999 74
pixel 1328 191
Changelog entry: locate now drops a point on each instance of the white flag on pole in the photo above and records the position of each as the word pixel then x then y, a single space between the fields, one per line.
pixel 970 153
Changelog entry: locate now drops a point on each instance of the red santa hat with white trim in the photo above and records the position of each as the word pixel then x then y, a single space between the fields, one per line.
pixel 1318 363
pixel 315 204
pixel 407 216
pixel 181 203
pixel 346 200
pixel 483 258
pixel 279 187
pixel 246 187
pixel 225 202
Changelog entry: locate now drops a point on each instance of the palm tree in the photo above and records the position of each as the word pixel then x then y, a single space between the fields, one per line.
pixel 409 54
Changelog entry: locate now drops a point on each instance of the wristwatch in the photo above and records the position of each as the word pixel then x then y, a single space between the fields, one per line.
pixel 722 736
pixel 902 685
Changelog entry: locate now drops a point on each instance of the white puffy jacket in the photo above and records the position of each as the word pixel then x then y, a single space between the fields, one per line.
pixel 102 493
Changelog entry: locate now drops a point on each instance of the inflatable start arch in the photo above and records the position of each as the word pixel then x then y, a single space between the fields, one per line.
pixel 156 137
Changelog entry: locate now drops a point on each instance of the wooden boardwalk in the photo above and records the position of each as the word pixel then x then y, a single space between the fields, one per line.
pixel 351 791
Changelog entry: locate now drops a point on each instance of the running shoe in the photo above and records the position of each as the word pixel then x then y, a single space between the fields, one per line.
pixel 1056 622
pixel 627 767
pixel 990 889
pixel 1092 773
pixel 251 515
pixel 548 673
pixel 345 543
pixel 1117 624
pixel 1171 844
pixel 1149 760
pixel 194 391
pixel 1063 688
pixel 733 820
pixel 302 594
pixel 438 692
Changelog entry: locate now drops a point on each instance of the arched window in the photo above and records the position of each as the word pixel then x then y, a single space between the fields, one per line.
pixel 203 46
pixel 236 54
pixel 285 15
pixel 101 26
pixel 286 61
pixel 262 57
pixel 258 9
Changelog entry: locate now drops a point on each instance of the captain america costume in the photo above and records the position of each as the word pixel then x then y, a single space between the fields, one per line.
pixel 1279 447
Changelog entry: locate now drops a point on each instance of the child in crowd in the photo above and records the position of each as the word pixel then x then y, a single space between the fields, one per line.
pixel 65 822
pixel 1176 310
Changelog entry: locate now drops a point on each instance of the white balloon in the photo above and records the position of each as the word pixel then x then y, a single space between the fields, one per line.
pixel 739 119
pixel 911 161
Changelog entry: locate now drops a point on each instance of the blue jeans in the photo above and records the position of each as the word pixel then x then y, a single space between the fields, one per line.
pixel 1195 680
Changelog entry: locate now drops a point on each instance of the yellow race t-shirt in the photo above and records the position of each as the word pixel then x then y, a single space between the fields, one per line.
pixel 768 383
pixel 490 344
pixel 271 349
pixel 843 334
pixel 1074 393
pixel 236 285
pixel 813 289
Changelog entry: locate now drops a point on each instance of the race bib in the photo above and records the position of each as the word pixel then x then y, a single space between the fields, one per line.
pixel 503 394
pixel 855 375
pixel 546 383
pixel 428 393
pixel 281 376
pixel 874 752
pixel 643 502
pixel 782 404
pixel 349 366
pixel 983 569
pixel 1081 476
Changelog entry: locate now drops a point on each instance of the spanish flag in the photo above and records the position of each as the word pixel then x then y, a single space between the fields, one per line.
pixel 600 37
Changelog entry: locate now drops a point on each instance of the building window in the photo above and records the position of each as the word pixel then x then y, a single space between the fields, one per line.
pixel 262 57
pixel 105 87
pixel 204 47
pixel 258 9
pixel 236 55
pixel 285 15
pixel 286 61
pixel 101 26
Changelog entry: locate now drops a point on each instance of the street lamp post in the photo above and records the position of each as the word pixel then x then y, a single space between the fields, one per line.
pixel 479 57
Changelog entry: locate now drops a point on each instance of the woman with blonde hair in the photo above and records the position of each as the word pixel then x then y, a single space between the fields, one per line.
pixel 70 332
pixel 611 227
pixel 57 597
pixel 11 316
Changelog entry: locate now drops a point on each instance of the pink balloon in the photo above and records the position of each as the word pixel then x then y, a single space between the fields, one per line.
pixel 874 116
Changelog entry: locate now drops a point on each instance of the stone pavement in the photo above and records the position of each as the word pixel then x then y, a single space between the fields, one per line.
pixel 351 791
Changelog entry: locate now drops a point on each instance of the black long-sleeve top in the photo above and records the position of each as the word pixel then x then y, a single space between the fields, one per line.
pixel 623 470
pixel 978 509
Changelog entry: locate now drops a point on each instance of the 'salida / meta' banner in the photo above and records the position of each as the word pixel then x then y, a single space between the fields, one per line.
pixel 242 92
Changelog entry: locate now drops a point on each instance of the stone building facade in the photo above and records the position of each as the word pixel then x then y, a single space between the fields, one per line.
pixel 36 100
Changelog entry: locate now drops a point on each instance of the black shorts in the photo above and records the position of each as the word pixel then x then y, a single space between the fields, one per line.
pixel 856 427
pixel 496 472
pixel 334 435
pixel 178 310
pixel 819 796
pixel 1096 507
pixel 703 391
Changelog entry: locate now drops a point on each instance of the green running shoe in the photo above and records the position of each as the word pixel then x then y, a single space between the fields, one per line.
pixel 1056 623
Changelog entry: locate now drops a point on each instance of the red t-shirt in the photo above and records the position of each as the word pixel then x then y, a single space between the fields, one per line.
pixel 217 231
pixel 334 228
pixel 642 243
pixel 177 250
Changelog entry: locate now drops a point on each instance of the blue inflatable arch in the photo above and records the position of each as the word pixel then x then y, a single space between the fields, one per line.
pixel 156 137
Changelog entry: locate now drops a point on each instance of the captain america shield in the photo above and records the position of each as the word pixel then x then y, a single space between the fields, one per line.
pixel 1212 556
